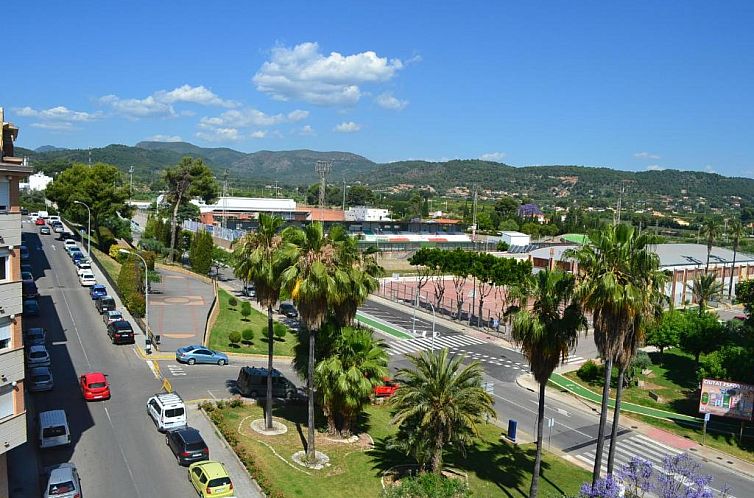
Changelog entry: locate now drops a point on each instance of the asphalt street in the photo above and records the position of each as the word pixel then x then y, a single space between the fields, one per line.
pixel 115 446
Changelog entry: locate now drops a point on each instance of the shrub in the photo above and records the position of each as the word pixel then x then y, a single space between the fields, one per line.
pixel 279 330
pixel 248 335
pixel 245 310
pixel 589 371
pixel 235 403
pixel 207 406
pixel 428 485
pixel 233 302
pixel 234 337
pixel 200 252
pixel 641 361
pixel 502 246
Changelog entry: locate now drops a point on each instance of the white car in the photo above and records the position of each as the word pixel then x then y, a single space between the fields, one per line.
pixel 63 481
pixel 87 279
pixel 69 243
pixel 84 268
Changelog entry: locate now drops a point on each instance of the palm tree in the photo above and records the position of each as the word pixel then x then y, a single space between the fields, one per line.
pixel 705 288
pixel 261 257
pixel 615 273
pixel 546 335
pixel 314 281
pixel 440 401
pixel 346 378
pixel 736 233
pixel 710 229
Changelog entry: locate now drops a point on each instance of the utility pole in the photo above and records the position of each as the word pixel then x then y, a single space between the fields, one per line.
pixel 131 184
pixel 90 157
pixel 473 220
pixel 344 194
pixel 322 168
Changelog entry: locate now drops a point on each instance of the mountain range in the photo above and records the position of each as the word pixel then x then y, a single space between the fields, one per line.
pixel 296 168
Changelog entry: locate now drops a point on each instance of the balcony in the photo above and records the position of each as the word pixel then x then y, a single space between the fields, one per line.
pixel 10 299
pixel 10 229
pixel 11 365
pixel 12 432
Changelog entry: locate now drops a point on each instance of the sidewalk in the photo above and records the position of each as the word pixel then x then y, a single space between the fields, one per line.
pixel 707 454
pixel 243 484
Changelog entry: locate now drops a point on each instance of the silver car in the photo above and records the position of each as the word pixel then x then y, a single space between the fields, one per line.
pixel 37 356
pixel 111 316
pixel 40 379
pixel 63 482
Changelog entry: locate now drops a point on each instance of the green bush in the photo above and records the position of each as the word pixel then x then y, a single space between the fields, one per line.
pixel 428 485
pixel 234 337
pixel 279 330
pixel 235 403
pixel 245 310
pixel 590 371
pixel 641 361
pixel 248 335
pixel 233 302
pixel 200 252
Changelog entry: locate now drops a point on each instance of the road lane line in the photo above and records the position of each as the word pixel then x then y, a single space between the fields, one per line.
pixel 73 321
pixel 546 407
pixel 122 453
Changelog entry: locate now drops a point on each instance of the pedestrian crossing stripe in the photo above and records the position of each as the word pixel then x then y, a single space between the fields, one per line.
pixel 628 448
pixel 425 343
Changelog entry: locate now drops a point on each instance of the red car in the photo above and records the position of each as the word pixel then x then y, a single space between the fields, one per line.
pixel 94 386
pixel 387 389
pixel 40 221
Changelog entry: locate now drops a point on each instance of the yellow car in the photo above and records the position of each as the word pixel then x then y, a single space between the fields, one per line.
pixel 210 479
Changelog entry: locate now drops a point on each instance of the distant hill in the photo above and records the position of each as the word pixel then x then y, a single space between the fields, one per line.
pixel 48 148
pixel 296 167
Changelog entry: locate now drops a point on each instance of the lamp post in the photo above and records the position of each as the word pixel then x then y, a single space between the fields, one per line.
pixel 146 294
pixel 88 227
pixel 433 325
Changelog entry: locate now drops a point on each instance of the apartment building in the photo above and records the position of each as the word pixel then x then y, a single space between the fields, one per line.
pixel 12 408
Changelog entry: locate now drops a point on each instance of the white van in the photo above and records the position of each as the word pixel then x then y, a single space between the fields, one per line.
pixel 52 219
pixel 167 411
pixel 43 214
pixel 53 429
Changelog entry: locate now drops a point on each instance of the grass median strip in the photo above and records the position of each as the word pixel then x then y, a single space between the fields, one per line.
pixel 381 326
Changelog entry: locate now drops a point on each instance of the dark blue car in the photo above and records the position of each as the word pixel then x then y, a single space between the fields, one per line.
pixel 97 291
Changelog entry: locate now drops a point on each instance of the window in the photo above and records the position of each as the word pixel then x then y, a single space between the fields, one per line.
pixel 5 332
pixel 174 412
pixel 4 266
pixel 6 401
pixel 4 195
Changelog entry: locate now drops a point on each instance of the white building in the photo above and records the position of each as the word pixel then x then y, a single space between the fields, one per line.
pixel 363 213
pixel 37 181
pixel 516 238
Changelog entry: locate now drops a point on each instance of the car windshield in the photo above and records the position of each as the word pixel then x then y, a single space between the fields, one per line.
pixel 40 378
pixel 218 481
pixel 195 447
pixel 54 431
pixel 97 385
pixel 174 412
pixel 123 326
pixel 38 354
pixel 61 488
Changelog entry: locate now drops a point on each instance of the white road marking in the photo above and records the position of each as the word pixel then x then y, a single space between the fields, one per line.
pixel 151 365
pixel 53 248
pixel 210 393
pixel 122 453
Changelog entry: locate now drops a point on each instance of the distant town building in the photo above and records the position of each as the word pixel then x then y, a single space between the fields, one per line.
pixel 515 238
pixel 363 213
pixel 38 181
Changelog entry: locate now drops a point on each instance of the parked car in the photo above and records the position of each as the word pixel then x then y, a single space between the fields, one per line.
pixel 69 243
pixel 77 256
pixel 386 389
pixel 112 316
pixel 30 307
pixel 53 429
pixel 87 279
pixel 210 479
pixel 83 266
pixel 40 379
pixel 288 310
pixel 39 221
pixel 25 255
pixel 94 385
pixel 199 354
pixel 27 276
pixel 33 216
pixel 35 336
pixel 249 290
pixel 121 332
pixel 29 289
pixel 24 212
pixel 58 228
pixel 37 356
pixel 25 267
pixel 187 445
pixel 104 304
pixel 51 220
pixel 167 410
pixel 63 482
pixel 252 382
pixel 97 291
pixel 43 230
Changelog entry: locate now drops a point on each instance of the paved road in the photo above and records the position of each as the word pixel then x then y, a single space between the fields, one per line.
pixel 115 446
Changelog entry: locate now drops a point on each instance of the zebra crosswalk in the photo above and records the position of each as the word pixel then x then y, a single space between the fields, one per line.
pixel 418 344
pixel 630 446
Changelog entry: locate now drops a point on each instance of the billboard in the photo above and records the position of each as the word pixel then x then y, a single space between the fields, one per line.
pixel 727 399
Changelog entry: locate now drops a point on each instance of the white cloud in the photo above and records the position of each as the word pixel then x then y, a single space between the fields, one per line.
pixel 304 73
pixel 220 134
pixel 646 155
pixel 193 94
pixel 492 156
pixel 655 167
pixel 164 138
pixel 306 131
pixel 54 125
pixel 259 134
pixel 297 115
pixel 59 113
pixel 138 108
pixel 708 168
pixel 239 118
pixel 387 101
pixel 347 127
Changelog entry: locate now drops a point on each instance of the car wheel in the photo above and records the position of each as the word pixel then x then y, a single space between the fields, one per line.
pixel 191 361
pixel 221 362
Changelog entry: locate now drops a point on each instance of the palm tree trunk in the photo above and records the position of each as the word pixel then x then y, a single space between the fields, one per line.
pixel 437 455
pixel 732 269
pixel 173 227
pixel 603 420
pixel 270 351
pixel 616 416
pixel 310 454
pixel 534 489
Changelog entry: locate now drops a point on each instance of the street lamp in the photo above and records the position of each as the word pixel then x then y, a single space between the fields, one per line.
pixel 433 325
pixel 146 294
pixel 88 227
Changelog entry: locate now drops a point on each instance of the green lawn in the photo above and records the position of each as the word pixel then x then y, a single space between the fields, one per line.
pixel 230 319
pixel 111 266
pixel 673 378
pixel 494 467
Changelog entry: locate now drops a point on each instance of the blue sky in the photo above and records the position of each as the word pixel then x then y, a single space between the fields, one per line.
pixel 629 85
